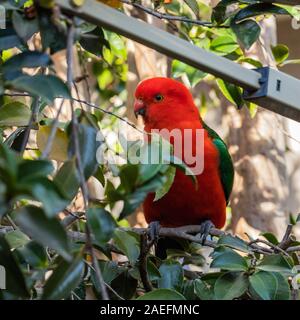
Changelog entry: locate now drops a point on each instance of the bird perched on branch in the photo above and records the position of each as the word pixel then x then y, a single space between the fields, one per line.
pixel 165 103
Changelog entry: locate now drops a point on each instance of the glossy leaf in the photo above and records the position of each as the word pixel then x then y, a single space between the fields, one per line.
pixel 46 231
pixel 128 243
pixel 14 114
pixel 247 32
pixel 27 59
pixel 269 286
pixel 230 261
pixel 101 223
pixel 171 275
pixel 47 87
pixel 231 285
pixel 64 279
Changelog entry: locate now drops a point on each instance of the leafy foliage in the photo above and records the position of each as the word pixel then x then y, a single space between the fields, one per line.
pixel 39 191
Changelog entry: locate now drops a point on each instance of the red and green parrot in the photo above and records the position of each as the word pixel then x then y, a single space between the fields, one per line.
pixel 165 103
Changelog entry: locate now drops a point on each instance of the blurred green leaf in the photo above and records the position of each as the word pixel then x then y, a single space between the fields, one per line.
pixel 67 179
pixel 164 189
pixel 14 114
pixel 46 231
pixel 65 278
pixel 128 243
pixel 247 32
pixel 270 237
pixel 223 45
pixel 94 41
pixel 27 59
pixel 280 52
pixel 101 223
pixel 34 254
pixel 16 239
pixel 47 87
pixel 14 278
pixel 231 92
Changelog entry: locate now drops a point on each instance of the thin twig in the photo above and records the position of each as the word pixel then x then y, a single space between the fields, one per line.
pixel 144 250
pixel 165 16
pixel 83 184
pixel 32 121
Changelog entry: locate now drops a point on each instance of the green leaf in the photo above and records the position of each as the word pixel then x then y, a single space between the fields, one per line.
pixel 47 192
pixel 203 290
pixel 233 242
pixel 230 261
pixel 64 279
pixel 51 35
pixel 270 237
pixel 164 189
pixel 231 92
pixel 128 243
pixel 129 175
pixel 247 32
pixel 15 282
pixel 193 5
pixel 280 52
pixel 27 59
pixel 8 38
pixel 231 285
pixel 16 239
pixel 46 231
pixel 171 275
pixel 251 61
pixel 193 75
pixel 25 28
pixel 101 223
pixel 67 179
pixel 14 114
pixel 223 45
pixel 110 270
pixel 269 286
pixel 94 41
pixel 29 169
pixel 275 263
pixel 125 285
pixel 88 146
pixel 34 254
pixel 258 9
pixel 162 294
pixel 47 87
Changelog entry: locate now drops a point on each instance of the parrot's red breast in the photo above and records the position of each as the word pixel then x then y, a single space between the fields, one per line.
pixel 167 104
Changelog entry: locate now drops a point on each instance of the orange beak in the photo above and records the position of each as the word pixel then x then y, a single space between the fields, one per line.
pixel 139 107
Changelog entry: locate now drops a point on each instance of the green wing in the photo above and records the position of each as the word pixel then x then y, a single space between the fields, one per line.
pixel 226 165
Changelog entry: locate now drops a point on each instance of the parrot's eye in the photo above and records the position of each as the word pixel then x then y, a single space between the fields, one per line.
pixel 158 97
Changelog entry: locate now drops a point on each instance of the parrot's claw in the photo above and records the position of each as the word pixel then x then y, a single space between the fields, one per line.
pixel 205 228
pixel 153 231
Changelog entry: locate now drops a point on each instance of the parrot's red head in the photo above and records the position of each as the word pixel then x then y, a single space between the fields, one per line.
pixel 162 101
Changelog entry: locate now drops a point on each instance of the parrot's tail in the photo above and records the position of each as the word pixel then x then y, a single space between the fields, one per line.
pixel 164 244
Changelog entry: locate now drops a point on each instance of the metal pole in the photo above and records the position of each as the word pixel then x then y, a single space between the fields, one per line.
pixel 164 42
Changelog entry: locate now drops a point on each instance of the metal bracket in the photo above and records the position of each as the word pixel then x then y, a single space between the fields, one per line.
pixel 277 89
